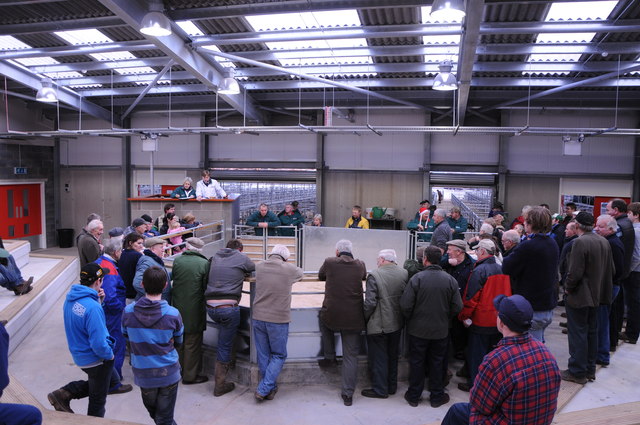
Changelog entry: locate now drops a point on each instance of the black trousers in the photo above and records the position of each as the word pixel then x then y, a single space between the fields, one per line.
pixel 430 353
pixel 383 361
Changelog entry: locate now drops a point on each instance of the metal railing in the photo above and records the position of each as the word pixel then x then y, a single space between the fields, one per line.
pixel 212 234
pixel 260 246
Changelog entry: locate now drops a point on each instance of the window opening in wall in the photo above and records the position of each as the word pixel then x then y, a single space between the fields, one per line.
pixel 10 203
pixel 276 195
pixel 474 202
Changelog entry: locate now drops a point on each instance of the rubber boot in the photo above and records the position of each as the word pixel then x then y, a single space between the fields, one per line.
pixel 221 387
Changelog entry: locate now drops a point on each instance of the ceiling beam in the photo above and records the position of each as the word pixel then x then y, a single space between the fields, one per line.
pixel 65 95
pixel 60 25
pixel 606 78
pixel 467 55
pixel 176 48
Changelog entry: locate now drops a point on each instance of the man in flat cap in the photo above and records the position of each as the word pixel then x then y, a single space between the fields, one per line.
pixel 519 381
pixel 152 256
pixel 138 225
pixel 190 274
pixel 588 284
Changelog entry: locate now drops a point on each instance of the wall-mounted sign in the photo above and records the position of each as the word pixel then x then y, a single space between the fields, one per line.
pixel 19 170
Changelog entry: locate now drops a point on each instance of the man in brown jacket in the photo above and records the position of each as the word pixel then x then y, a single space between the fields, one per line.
pixel 342 311
pixel 587 285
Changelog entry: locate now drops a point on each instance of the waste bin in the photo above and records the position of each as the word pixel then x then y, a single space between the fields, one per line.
pixel 65 238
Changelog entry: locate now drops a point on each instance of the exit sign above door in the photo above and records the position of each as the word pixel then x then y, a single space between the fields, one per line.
pixel 19 170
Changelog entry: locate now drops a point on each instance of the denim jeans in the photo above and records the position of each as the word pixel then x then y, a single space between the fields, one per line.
pixel 96 387
pixel 384 350
pixel 271 346
pixel 604 342
pixel 632 301
pixel 160 403
pixel 479 346
pixel 539 322
pixel 228 321
pixel 582 326
pixel 458 414
pixel 19 414
pixel 428 353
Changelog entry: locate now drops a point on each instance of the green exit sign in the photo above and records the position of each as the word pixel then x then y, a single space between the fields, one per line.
pixel 19 170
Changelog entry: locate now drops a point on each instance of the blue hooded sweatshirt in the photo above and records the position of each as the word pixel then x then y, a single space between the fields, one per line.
pixel 85 326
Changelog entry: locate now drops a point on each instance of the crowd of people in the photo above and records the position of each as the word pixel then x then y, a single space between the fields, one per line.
pixel 487 300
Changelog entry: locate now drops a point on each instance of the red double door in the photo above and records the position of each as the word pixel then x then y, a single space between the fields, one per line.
pixel 20 211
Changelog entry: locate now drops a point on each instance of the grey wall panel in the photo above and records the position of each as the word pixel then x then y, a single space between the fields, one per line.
pixel 263 147
pixel 544 154
pixel 91 190
pixel 173 151
pixel 343 189
pixel 319 243
pixel 525 190
pixel 90 150
pixel 472 149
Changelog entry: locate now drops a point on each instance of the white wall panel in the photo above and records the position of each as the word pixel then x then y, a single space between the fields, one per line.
pixel 592 187
pixel 91 150
pixel 472 149
pixel 263 147
pixel 544 154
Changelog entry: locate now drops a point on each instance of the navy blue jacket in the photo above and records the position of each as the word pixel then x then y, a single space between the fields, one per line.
pixel 617 252
pixel 533 269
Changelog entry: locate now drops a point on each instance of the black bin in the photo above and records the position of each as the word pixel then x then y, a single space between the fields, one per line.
pixel 65 238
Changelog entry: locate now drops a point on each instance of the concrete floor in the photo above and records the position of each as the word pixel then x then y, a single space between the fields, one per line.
pixel 42 363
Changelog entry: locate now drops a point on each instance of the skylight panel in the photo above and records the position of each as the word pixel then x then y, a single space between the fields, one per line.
pixel 580 10
pixel 135 70
pixel 313 21
pixel 451 40
pixel 79 37
pixel 571 11
pixel 8 42
pixel 43 60
pixel 190 28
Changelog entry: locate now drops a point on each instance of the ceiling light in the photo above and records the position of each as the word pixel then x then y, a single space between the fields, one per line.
pixel 229 84
pixel 155 23
pixel 46 93
pixel 445 80
pixel 447 10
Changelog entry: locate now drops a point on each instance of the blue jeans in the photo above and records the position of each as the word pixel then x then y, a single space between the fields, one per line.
pixel 270 340
pixel 228 321
pixel 10 276
pixel 96 387
pixel 604 342
pixel 539 322
pixel 479 346
pixel 632 301
pixel 160 403
pixel 582 326
pixel 458 414
pixel 19 414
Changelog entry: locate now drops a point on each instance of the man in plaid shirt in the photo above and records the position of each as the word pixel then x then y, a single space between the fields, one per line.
pixel 518 382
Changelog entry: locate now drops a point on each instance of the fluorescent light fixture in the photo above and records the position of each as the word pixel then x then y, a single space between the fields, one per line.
pixel 155 23
pixel 445 80
pixel 46 93
pixel 229 84
pixel 447 10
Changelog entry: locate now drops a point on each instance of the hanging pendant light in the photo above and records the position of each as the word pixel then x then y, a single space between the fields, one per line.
pixel 447 10
pixel 47 93
pixel 155 23
pixel 445 80
pixel 229 84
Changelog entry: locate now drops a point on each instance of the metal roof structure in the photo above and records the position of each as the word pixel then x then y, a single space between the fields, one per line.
pixel 498 55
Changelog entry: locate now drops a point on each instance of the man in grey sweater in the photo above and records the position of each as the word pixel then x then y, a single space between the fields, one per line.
pixel 271 314
pixel 442 233
pixel 429 302
pixel 229 266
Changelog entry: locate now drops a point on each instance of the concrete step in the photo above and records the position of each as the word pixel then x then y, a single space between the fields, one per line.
pixel 20 251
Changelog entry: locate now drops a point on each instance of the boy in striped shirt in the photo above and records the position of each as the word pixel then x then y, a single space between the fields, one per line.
pixel 154 329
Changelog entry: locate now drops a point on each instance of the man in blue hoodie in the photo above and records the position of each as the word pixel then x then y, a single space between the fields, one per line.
pixel 154 329
pixel 89 341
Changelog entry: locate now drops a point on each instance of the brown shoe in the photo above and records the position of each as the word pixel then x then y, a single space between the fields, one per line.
pixel 60 400
pixel 24 287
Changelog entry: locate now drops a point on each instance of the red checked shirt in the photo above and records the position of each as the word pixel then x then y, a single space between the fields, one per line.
pixel 517 383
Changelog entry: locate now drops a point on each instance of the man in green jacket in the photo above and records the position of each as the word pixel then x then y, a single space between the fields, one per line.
pixel 457 223
pixel 385 286
pixel 264 219
pixel 190 273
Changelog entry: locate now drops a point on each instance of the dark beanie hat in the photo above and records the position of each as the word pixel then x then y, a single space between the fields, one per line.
pixel 514 311
pixel 585 218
